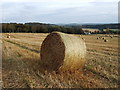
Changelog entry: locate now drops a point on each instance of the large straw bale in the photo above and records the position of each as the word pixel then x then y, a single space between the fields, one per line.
pixel 61 51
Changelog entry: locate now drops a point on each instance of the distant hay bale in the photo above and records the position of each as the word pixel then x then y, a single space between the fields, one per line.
pixel 83 39
pixel 8 36
pixel 111 37
pixel 105 40
pixel 61 51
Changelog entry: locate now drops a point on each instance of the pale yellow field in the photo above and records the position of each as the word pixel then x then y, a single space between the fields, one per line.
pixel 91 30
pixel 22 67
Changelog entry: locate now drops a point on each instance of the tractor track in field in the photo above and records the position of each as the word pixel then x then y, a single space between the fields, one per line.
pixel 102 75
pixel 104 53
pixel 22 46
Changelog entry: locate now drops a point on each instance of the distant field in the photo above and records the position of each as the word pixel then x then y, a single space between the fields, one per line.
pixel 91 30
pixel 22 67
pixel 113 29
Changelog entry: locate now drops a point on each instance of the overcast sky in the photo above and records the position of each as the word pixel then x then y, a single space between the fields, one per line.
pixel 60 11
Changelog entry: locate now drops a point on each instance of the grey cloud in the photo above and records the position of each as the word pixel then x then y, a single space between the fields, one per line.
pixel 94 12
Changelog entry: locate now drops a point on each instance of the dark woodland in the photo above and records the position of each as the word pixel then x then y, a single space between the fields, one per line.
pixel 47 28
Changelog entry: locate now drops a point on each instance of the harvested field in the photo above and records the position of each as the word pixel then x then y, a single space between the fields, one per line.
pixel 21 67
pixel 89 29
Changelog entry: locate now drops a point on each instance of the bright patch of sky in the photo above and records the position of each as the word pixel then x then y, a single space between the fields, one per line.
pixel 60 11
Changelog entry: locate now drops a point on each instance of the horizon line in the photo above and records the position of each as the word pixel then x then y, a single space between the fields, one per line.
pixel 61 23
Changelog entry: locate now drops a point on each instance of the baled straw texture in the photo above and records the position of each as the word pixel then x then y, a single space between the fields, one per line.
pixel 61 51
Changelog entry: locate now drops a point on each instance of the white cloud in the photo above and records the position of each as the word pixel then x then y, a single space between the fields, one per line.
pixel 60 1
pixel 53 3
pixel 47 0
pixel 106 0
pixel 60 11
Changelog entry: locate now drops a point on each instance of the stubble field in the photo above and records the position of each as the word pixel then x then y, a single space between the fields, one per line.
pixel 21 66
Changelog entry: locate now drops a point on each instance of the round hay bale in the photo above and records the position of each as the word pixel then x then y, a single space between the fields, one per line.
pixel 8 36
pixel 83 39
pixel 111 37
pixel 105 40
pixel 61 51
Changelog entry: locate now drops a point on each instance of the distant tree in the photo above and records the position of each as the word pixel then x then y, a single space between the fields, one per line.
pixel 11 27
pixel 33 29
pixel 44 29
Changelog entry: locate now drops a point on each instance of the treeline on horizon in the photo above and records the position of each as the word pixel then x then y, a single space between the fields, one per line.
pixel 38 28
pixel 102 26
pixel 47 28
